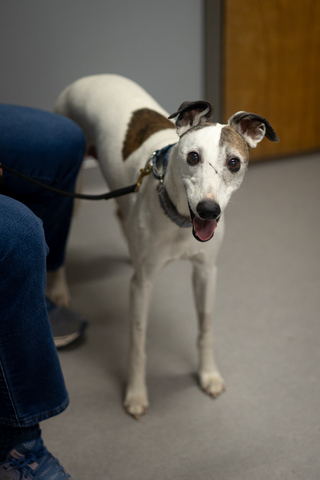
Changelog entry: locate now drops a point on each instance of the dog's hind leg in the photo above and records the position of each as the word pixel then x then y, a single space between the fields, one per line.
pixel 57 288
pixel 204 283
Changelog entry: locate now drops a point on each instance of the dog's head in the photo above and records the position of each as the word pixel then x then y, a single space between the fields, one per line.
pixel 213 158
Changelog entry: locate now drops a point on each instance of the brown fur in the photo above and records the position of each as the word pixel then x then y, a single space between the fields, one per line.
pixel 203 123
pixel 142 125
pixel 229 137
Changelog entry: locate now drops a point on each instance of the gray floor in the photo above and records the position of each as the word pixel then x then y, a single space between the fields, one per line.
pixel 267 424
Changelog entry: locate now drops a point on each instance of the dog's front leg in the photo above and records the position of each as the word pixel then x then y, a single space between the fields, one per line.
pixel 204 283
pixel 136 398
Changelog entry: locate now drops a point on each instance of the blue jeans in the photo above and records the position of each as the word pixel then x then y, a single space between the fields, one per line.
pixel 49 148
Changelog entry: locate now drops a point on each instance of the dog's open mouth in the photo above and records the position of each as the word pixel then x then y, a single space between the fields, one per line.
pixel 203 230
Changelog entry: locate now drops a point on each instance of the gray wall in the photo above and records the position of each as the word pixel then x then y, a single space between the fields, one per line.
pixel 47 44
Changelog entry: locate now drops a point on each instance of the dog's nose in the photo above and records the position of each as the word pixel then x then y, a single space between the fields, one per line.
pixel 208 210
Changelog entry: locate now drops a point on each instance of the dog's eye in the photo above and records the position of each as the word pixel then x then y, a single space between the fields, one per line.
pixel 234 165
pixel 193 158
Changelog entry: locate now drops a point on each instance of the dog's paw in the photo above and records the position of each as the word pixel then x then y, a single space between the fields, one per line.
pixel 136 404
pixel 212 383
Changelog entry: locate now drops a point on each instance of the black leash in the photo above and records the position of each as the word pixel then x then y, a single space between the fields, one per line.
pixel 151 166
pixel 103 196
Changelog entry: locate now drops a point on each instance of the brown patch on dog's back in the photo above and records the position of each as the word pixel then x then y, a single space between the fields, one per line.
pixel 142 125
pixel 230 137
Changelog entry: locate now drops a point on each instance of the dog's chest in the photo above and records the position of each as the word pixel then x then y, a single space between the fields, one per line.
pixel 179 244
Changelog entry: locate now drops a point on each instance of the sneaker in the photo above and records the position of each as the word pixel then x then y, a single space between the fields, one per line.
pixel 32 461
pixel 66 326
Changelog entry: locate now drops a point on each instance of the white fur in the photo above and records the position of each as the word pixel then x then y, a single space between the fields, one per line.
pixel 102 105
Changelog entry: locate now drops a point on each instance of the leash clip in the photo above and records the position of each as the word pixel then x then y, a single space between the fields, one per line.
pixel 143 173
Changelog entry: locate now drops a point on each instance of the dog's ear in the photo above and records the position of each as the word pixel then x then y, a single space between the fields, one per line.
pixel 192 114
pixel 252 127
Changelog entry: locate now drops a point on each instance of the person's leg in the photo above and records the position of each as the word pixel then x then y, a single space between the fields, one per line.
pixel 48 148
pixel 32 387
pixel 31 381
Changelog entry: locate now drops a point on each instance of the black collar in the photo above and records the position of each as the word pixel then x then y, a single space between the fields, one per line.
pixel 160 160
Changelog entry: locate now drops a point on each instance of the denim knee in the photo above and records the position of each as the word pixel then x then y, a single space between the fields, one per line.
pixel 32 387
pixel 22 245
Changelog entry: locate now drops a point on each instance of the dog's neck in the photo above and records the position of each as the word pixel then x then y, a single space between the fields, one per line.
pixel 170 209
pixel 175 189
pixel 162 171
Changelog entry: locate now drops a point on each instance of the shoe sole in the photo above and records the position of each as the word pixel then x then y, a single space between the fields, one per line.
pixel 65 340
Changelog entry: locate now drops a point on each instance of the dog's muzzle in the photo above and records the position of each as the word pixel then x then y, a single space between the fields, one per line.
pixel 206 220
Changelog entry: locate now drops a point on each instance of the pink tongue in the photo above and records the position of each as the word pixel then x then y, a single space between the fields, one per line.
pixel 204 228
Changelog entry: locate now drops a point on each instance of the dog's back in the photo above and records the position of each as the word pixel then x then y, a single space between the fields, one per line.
pixel 104 104
pixel 117 116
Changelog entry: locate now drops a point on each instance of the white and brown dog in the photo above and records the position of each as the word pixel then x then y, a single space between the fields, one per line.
pixel 201 164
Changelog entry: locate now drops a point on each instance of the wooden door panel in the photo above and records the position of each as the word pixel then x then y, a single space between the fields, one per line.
pixel 271 66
